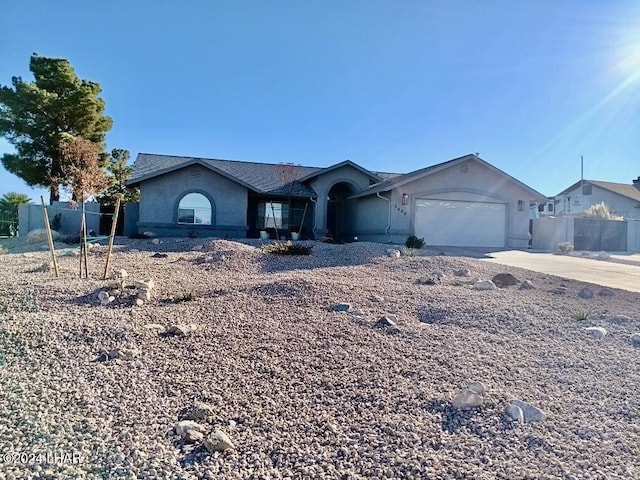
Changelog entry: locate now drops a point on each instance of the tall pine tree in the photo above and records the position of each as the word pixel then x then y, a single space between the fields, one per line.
pixel 35 116
pixel 118 173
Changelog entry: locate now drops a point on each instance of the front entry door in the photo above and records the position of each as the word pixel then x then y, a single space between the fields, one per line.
pixel 332 219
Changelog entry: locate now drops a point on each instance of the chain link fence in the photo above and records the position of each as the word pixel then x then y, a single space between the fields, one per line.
pixel 8 225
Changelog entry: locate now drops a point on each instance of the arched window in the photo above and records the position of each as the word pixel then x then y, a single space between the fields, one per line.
pixel 194 208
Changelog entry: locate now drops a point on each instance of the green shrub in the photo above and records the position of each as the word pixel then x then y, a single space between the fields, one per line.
pixel 414 242
pixel 582 315
pixel 287 248
pixel 565 247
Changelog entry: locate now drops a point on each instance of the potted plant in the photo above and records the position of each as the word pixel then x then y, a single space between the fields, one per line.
pixel 296 232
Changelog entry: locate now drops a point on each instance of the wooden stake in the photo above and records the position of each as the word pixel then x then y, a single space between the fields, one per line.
pixel 114 222
pixel 83 249
pixel 45 217
pixel 304 213
pixel 81 242
pixel 86 245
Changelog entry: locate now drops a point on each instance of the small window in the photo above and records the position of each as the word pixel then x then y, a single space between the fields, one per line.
pixel 586 189
pixel 194 208
pixel 521 205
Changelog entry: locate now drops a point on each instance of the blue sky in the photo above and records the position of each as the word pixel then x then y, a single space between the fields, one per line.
pixel 393 85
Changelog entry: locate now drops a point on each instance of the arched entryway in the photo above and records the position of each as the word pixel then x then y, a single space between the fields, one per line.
pixel 340 212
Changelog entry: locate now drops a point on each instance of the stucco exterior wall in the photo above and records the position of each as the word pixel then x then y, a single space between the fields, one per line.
pixel 323 183
pixel 466 181
pixel 617 203
pixel 633 236
pixel 373 214
pixel 160 196
pixel 548 232
pixel 131 217
pixel 30 217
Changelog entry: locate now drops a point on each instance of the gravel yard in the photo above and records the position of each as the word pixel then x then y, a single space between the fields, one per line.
pixel 302 391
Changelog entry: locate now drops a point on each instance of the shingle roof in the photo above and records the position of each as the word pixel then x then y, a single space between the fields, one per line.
pixel 624 189
pixel 372 175
pixel 395 181
pixel 387 175
pixel 400 180
pixel 267 178
pixel 259 177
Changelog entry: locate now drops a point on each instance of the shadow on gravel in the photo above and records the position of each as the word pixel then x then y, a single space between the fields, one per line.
pixel 537 443
pixel 432 316
pixel 91 297
pixel 468 252
pixel 194 454
pixel 339 256
pixel 474 421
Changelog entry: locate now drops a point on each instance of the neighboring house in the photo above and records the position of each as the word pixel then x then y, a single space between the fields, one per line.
pixel 462 202
pixel 621 198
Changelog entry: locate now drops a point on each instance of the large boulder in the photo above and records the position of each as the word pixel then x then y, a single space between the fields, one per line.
pixel 218 441
pixel 39 235
pixel 505 280
pixel 585 293
pixel 484 285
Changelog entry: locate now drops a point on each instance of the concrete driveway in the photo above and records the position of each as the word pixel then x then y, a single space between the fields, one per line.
pixel 609 274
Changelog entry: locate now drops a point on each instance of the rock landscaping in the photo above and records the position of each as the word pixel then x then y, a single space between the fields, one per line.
pixel 339 364
pixel 470 397
pixel 505 280
pixel 524 412
pixel 585 293
pixel 598 332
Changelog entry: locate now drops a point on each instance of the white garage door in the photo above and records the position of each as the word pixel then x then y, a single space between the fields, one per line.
pixel 460 224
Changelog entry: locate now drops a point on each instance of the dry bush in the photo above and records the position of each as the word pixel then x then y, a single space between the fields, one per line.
pixel 601 211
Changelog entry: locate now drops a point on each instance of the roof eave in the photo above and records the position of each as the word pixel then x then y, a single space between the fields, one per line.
pixel 339 165
pixel 437 168
pixel 193 161
pixel 408 178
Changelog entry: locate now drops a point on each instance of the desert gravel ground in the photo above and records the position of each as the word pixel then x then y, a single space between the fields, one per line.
pixel 305 392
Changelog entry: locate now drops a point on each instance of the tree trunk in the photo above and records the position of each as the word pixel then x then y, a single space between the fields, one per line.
pixel 54 194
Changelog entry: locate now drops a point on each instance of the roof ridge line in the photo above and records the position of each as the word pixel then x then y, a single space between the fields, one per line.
pixel 187 157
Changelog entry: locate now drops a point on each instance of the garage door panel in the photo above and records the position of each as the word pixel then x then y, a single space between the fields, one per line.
pixel 457 223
